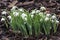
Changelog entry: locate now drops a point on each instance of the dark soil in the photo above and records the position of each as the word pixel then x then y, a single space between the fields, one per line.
pixel 51 5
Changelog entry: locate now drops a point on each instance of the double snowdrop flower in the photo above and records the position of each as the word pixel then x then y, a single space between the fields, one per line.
pixel 15 13
pixel 4 13
pixel 2 19
pixel 24 16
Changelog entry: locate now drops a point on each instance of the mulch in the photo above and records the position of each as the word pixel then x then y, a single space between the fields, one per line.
pixel 52 5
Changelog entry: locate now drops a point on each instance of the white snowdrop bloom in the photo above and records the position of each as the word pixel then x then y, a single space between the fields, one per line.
pixel 21 9
pixel 33 12
pixel 4 12
pixel 2 19
pixel 32 16
pixel 53 17
pixel 9 17
pixel 37 11
pixel 14 7
pixel 15 13
pixel 46 19
pixel 48 15
pixel 42 8
pixel 57 21
pixel 23 15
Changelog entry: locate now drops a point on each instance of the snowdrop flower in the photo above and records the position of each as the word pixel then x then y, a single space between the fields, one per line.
pixel 2 19
pixel 53 17
pixel 24 16
pixel 32 16
pixel 33 12
pixel 57 21
pixel 4 12
pixel 13 8
pixel 9 17
pixel 46 19
pixel 21 9
pixel 48 15
pixel 37 11
pixel 15 13
pixel 42 8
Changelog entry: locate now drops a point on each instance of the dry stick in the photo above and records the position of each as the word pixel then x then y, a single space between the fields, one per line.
pixel 25 3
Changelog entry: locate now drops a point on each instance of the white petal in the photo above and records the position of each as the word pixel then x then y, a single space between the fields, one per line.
pixel 33 12
pixel 4 12
pixel 9 17
pixel 57 21
pixel 23 15
pixel 37 11
pixel 42 8
pixel 2 19
pixel 53 17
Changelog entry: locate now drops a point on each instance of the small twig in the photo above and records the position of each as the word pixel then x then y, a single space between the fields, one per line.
pixel 25 3
pixel 13 3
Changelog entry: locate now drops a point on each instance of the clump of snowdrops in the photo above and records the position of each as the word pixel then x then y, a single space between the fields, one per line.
pixel 5 18
pixel 34 22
